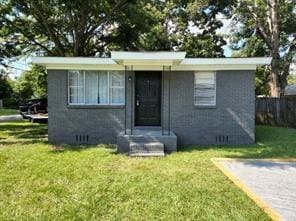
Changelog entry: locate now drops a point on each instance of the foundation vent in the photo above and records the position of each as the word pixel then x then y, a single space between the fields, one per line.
pixel 222 139
pixel 81 139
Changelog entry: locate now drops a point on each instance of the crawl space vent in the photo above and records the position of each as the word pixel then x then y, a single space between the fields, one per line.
pixel 222 139
pixel 81 139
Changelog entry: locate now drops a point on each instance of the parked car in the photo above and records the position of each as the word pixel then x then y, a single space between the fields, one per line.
pixel 33 106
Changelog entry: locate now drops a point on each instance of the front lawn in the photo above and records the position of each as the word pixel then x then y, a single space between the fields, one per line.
pixel 39 182
pixel 5 111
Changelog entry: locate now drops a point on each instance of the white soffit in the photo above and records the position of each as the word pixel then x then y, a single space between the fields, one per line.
pixel 72 60
pixel 148 58
pixel 227 61
pixel 151 61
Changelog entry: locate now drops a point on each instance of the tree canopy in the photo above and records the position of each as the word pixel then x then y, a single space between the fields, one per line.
pixel 267 28
pixel 93 28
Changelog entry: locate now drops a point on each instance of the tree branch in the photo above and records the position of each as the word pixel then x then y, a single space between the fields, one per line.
pixel 260 28
pixel 289 58
pixel 43 22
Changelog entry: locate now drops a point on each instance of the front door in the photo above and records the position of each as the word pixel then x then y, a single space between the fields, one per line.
pixel 147 98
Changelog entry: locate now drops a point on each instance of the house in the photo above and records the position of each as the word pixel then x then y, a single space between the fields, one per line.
pixel 151 100
pixel 290 90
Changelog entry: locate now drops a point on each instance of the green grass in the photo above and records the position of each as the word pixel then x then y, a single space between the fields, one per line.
pixel 4 111
pixel 39 182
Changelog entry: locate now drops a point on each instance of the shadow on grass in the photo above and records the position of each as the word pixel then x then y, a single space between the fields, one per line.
pixel 22 133
pixel 271 142
pixel 58 149
pixel 23 142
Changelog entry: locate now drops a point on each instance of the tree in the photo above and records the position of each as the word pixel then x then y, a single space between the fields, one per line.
pixel 267 27
pixel 61 28
pixel 292 79
pixel 31 84
pixel 187 26
pixel 6 90
pixel 93 28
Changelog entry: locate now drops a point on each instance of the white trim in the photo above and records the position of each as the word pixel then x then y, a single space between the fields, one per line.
pixel 73 66
pixel 153 68
pixel 214 67
pixel 109 87
pixel 215 88
pixel 153 61
pixel 159 55
pixel 72 60
pixel 227 61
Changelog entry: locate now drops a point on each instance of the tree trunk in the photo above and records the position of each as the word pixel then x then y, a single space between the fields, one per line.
pixel 274 30
pixel 274 78
pixel 286 66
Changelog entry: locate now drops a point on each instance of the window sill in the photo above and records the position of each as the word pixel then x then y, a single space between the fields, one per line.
pixel 81 106
pixel 205 106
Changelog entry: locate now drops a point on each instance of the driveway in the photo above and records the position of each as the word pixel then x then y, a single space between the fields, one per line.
pixel 8 118
pixel 271 183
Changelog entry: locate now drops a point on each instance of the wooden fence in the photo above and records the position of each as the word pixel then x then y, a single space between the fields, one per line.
pixel 276 111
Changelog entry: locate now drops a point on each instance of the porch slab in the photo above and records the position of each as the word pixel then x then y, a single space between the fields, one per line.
pixel 147 135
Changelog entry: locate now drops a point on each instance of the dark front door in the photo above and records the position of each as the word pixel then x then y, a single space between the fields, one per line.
pixel 147 98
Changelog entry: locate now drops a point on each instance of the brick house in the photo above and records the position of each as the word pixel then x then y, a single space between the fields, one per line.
pixel 151 101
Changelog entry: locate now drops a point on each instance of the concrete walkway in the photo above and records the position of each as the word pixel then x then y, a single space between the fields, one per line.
pixel 274 182
pixel 8 118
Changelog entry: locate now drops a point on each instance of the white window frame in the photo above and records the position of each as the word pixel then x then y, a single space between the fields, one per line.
pixel 109 87
pixel 76 87
pixel 215 88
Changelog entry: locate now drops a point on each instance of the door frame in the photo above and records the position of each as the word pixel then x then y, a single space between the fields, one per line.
pixel 160 99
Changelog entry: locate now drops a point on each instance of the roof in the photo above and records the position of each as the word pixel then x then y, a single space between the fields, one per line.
pixel 151 61
pixel 290 89
pixel 161 58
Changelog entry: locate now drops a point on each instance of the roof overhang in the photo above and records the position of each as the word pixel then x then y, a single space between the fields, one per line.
pixel 151 61
pixel 148 58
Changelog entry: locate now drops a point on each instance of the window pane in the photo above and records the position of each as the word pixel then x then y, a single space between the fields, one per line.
pixel 72 99
pixel 205 89
pixel 103 88
pixel 117 95
pixel 76 84
pixel 117 79
pixel 91 87
pixel 94 87
pixel 116 88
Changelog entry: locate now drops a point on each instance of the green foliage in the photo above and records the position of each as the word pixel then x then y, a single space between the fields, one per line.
pixel 89 28
pixel 292 79
pixel 257 33
pixel 261 81
pixel 61 28
pixel 5 111
pixel 42 182
pixel 6 90
pixel 186 25
pixel 31 84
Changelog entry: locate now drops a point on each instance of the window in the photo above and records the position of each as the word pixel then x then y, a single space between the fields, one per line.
pixel 96 87
pixel 205 89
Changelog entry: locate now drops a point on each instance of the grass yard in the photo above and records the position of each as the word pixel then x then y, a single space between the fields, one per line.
pixel 4 111
pixel 38 182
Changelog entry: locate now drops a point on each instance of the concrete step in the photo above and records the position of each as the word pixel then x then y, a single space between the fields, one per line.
pixel 146 149
pixel 146 146
pixel 146 136
pixel 147 154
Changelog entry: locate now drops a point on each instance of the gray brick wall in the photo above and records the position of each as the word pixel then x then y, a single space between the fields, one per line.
pixel 75 124
pixel 232 119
